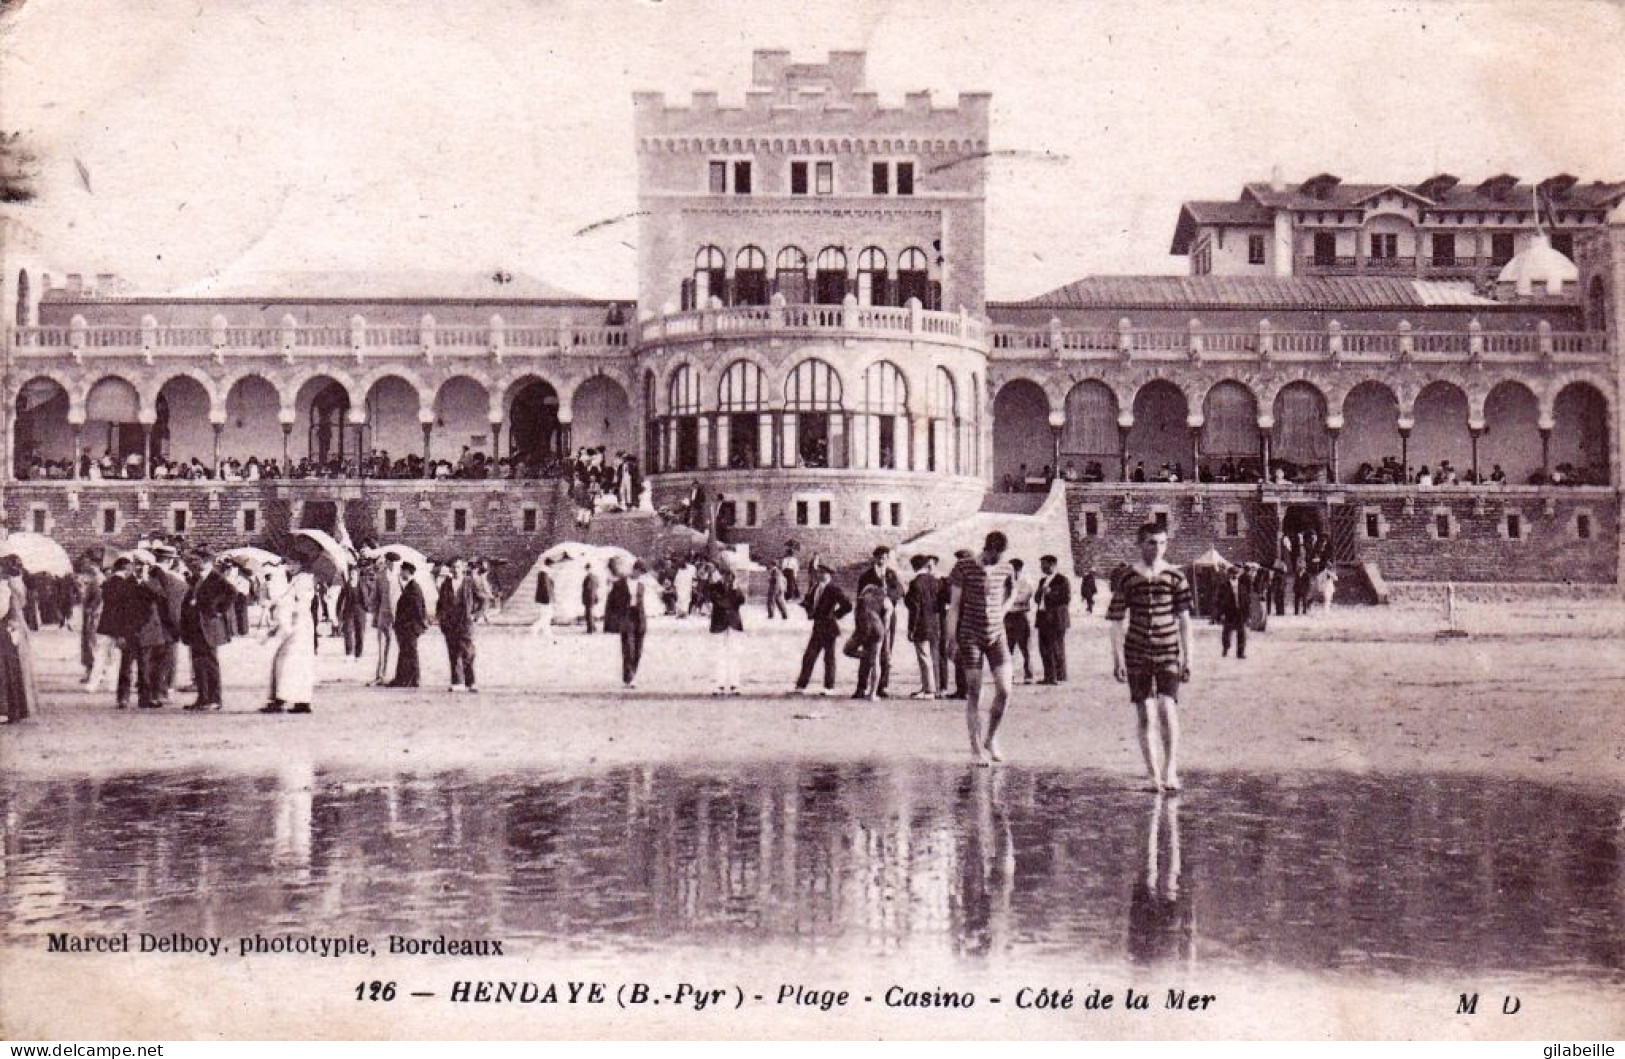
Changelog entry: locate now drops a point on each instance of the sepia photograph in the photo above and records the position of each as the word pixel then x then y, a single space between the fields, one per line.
pixel 883 519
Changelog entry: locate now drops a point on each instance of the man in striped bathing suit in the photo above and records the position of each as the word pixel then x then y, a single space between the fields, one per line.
pixel 1152 649
pixel 978 593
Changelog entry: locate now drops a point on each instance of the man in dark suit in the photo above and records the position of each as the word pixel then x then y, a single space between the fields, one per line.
pixel 826 605
pixel 206 619
pixel 926 601
pixel 167 580
pixel 455 611
pixel 133 614
pixel 352 611
pixel 1234 604
pixel 880 572
pixel 1053 598
pixel 589 598
pixel 411 621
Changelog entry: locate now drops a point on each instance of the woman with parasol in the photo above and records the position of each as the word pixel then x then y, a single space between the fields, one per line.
pixel 17 695
pixel 293 667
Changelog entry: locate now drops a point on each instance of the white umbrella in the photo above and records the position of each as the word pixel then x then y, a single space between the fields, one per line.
pixel 568 550
pixel 1211 557
pixel 251 556
pixel 331 553
pixel 38 553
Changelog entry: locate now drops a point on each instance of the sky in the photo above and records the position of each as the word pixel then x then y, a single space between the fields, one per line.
pixel 180 141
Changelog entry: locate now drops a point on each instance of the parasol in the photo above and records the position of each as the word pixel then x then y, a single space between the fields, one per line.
pixel 252 557
pixel 38 553
pixel 323 556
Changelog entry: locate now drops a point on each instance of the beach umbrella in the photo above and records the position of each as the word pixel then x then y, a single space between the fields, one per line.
pixel 323 556
pixel 567 550
pixel 38 553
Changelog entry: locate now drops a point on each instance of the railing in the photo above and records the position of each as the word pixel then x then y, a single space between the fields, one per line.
pixel 849 318
pixel 1471 344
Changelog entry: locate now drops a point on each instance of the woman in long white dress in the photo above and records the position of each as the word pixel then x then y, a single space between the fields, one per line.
pixel 293 668
pixel 18 699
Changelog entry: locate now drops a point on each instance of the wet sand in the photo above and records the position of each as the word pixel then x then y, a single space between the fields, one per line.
pixel 1533 692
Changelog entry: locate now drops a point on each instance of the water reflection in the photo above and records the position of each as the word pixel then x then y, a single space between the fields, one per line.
pixel 1329 873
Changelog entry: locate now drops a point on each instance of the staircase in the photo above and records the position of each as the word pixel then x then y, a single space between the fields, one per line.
pixel 1044 530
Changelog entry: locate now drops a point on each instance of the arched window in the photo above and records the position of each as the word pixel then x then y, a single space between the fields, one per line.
pixel 942 444
pixel 750 277
pixel 913 277
pixel 1089 439
pixel 1301 441
pixel 830 279
pixel 872 289
pixel 883 437
pixel 790 275
pixel 1229 442
pixel 814 428
pixel 744 430
pixel 710 278
pixel 683 420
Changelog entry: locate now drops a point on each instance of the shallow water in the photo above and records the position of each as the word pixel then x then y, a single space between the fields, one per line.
pixel 1333 875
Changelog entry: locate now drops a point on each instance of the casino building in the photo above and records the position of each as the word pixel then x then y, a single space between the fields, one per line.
pixel 811 341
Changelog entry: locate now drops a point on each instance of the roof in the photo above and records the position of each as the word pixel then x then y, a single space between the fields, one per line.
pixel 1258 201
pixel 1239 213
pixel 1251 292
pixel 425 284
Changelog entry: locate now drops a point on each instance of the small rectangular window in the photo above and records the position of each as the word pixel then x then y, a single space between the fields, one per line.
pixel 896 513
pixel 1161 519
pixel 251 520
pixel 719 178
pixel 826 178
pixel 824 507
pixel 1441 526
pixel 1582 526
pixel 750 513
pixel 178 520
pixel 39 523
pixel 880 181
pixel 459 520
pixel 109 520
pixel 1255 249
pixel 798 178
pixel 1373 526
pixel 1325 248
pixel 874 512
pixel 1232 524
pixel 528 520
pixel 1444 248
pixel 741 178
pixel 1384 246
pixel 1502 244
pixel 391 521
pixel 1091 524
pixel 801 512
pixel 1514 528
pixel 905 178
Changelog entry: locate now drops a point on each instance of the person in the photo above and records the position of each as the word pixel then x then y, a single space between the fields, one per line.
pixel 352 612
pixel 625 615
pixel 544 601
pixel 386 598
pixel 1149 618
pixel 979 589
pixel 93 647
pixel 775 592
pixel 1326 585
pixel 868 636
pixel 456 610
pixel 880 572
pixel 924 600
pixel 589 597
pixel 293 667
pixel 1018 628
pixel 171 589
pixel 1302 578
pixel 1258 615
pixel 1086 589
pixel 206 626
pixel 825 605
pixel 19 699
pixel 726 601
pixel 1234 606
pixel 1053 598
pixel 133 614
pixel 790 564
pixel 1498 476
pixel 411 621
pixel 683 582
pixel 1280 574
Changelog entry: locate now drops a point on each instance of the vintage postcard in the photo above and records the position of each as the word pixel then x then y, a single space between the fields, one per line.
pixel 879 519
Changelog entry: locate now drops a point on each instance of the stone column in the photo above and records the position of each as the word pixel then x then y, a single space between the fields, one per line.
pixel 79 446
pixel 1122 450
pixel 1546 453
pixel 1475 433
pixel 219 429
pixel 1332 472
pixel 1405 451
pixel 287 432
pixel 428 431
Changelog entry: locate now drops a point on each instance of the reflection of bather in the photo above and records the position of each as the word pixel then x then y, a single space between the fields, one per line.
pixel 1162 912
pixel 987 870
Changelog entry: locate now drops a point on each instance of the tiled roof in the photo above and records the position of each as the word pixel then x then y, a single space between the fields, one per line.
pixel 1242 213
pixel 1599 195
pixel 1250 292
pixel 424 284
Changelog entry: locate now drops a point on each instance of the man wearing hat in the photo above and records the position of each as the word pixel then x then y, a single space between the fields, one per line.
pixel 170 584
pixel 411 621
pixel 133 614
pixel 386 595
pixel 206 625
pixel 1234 604
pixel 1053 599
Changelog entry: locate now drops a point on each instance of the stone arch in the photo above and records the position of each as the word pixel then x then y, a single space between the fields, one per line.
pixel 1161 433
pixel 462 408
pixel 45 416
pixel 1089 433
pixel 1021 430
pixel 1371 412
pixel 321 402
pixel 1510 414
pixel 601 413
pixel 1548 397
pixel 289 390
pixel 1441 434
pixel 1299 411
pixel 1581 432
pixel 143 406
pixel 156 384
pixel 425 392
pixel 1229 443
pixel 184 407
